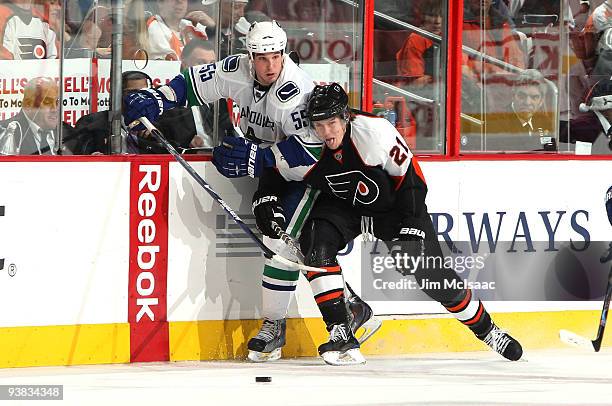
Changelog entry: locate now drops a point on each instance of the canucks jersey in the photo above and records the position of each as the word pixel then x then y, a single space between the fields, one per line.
pixel 373 170
pixel 267 114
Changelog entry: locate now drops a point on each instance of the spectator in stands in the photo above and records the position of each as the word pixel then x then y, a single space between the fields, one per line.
pixel 135 33
pixel 51 12
pixel 598 42
pixel 488 32
pixel 525 115
pixel 403 10
pixel 34 130
pixel 198 52
pixel 415 60
pixel 582 14
pixel 24 34
pixel 169 31
pixel 234 26
pixel 185 128
pixel 415 63
pixel 600 20
pixel 93 130
pixel 85 41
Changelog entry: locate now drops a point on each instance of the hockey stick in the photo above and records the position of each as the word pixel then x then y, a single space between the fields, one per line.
pixel 574 339
pixel 371 326
pixel 268 253
pixel 289 242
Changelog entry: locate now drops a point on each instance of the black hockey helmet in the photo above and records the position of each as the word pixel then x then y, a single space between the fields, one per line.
pixel 326 102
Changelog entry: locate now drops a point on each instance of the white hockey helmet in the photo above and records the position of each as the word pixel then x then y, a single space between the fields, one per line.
pixel 266 36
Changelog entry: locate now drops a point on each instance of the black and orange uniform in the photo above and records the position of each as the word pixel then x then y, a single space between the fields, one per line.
pixel 373 174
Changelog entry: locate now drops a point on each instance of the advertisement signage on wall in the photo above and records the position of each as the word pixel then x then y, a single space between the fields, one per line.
pixel 81 78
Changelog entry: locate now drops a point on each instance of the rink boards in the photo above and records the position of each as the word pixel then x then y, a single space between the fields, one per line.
pixel 128 260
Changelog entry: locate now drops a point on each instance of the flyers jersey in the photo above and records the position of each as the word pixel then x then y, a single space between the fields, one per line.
pixel 373 170
pixel 23 35
pixel 267 114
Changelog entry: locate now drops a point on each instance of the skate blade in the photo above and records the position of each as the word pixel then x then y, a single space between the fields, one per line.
pixel 369 328
pixel 256 356
pixel 350 357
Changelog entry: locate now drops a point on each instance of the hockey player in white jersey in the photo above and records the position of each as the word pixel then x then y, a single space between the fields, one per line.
pixel 271 92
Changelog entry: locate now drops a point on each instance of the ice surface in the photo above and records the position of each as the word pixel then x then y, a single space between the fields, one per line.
pixel 546 377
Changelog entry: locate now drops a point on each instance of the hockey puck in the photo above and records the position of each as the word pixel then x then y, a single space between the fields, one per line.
pixel 263 379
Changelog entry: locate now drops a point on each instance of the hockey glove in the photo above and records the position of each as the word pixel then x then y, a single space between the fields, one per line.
pixel 237 157
pixel 267 209
pixel 411 236
pixel 151 103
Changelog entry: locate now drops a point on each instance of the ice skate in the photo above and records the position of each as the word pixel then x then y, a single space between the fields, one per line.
pixel 342 347
pixel 361 316
pixel 503 343
pixel 267 344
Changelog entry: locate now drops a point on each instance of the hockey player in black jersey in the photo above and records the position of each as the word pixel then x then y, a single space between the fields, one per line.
pixel 366 169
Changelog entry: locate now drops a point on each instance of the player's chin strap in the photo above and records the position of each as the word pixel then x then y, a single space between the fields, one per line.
pixel 268 253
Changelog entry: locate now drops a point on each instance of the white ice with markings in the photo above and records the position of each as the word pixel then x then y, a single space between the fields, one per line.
pixel 550 377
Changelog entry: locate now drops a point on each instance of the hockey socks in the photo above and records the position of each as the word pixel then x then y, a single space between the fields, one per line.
pixel 326 286
pixel 471 312
pixel 278 286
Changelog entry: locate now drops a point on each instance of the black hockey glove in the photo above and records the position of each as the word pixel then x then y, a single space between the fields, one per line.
pixel 267 209
pixel 410 229
pixel 410 236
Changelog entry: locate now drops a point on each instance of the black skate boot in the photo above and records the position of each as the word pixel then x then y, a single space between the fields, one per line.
pixel 503 343
pixel 267 344
pixel 361 315
pixel 342 347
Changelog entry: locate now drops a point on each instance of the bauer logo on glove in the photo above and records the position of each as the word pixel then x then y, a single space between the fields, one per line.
pixel 267 210
pixel 237 157
pixel 411 231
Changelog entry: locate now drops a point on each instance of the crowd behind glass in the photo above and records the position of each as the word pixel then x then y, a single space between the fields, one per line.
pixel 527 68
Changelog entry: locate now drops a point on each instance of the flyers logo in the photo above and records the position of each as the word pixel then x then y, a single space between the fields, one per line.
pixel 287 91
pixel 353 186
pixel 32 48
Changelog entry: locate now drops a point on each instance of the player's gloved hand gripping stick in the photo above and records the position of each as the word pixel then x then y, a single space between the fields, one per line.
pixel 268 253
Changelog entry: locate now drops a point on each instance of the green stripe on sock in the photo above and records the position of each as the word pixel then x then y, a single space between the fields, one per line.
pixel 281 274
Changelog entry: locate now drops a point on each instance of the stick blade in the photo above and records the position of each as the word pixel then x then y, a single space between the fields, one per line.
pixel 574 339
